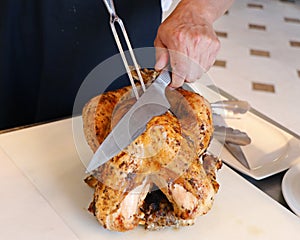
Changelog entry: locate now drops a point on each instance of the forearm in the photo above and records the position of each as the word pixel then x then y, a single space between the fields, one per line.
pixel 210 10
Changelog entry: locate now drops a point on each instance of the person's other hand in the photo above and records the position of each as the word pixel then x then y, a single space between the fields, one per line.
pixel 187 40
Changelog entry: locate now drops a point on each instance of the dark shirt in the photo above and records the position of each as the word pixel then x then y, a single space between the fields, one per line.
pixel 48 47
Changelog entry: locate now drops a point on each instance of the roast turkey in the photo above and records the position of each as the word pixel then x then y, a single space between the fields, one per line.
pixel 164 177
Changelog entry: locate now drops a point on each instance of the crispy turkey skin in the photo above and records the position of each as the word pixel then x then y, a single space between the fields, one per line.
pixel 168 160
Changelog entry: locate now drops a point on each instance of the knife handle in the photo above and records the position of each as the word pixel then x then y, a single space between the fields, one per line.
pixel 164 78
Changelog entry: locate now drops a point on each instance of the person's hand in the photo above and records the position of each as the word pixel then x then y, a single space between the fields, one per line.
pixel 187 40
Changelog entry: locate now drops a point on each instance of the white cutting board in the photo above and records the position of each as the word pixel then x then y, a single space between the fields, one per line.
pixel 47 157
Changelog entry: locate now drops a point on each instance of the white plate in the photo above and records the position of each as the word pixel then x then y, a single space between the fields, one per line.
pixel 291 188
pixel 271 151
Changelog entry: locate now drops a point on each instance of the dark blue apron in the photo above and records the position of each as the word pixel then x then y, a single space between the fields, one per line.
pixel 47 48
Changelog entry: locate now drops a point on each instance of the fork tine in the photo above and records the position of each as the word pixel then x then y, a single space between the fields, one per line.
pixel 120 22
pixel 115 19
pixel 124 59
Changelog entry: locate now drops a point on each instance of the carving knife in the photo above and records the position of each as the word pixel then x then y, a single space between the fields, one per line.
pixel 153 102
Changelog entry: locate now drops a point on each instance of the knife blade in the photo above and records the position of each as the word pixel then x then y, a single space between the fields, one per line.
pixel 153 102
pixel 231 135
pixel 238 153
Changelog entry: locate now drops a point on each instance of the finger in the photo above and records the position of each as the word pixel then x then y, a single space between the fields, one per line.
pixel 204 60
pixel 194 73
pixel 208 57
pixel 198 52
pixel 194 70
pixel 213 55
pixel 162 58
pixel 161 53
pixel 177 81
pixel 179 65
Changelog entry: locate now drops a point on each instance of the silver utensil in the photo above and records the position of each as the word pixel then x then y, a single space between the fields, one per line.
pixel 238 153
pixel 234 106
pixel 230 108
pixel 153 102
pixel 231 135
pixel 114 18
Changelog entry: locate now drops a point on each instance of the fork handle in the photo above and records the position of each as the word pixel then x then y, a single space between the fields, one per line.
pixel 111 8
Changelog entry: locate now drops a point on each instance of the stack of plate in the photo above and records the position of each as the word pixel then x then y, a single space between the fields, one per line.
pixel 291 188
